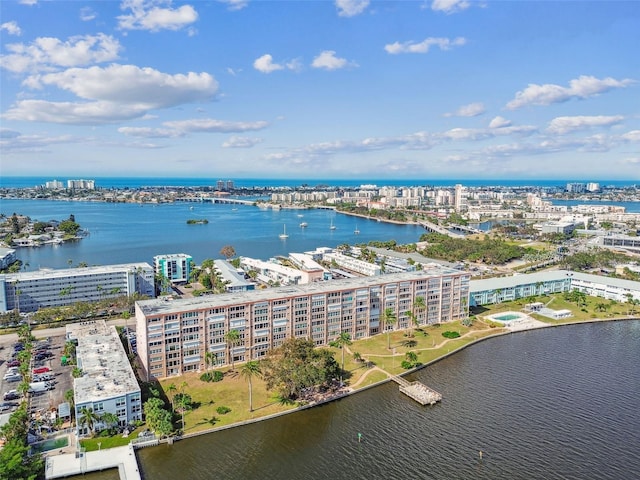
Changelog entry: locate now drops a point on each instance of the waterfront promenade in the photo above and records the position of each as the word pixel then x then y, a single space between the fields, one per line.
pixel 68 464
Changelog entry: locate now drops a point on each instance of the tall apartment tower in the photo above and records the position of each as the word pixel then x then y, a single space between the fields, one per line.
pixel 458 198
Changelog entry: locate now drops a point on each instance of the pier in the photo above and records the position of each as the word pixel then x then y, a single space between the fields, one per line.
pixel 79 463
pixel 418 391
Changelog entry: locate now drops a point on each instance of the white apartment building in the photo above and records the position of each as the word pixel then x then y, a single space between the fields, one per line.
pixel 82 184
pixel 501 289
pixel 175 267
pixel 174 335
pixel 30 291
pixel 272 272
pixel 352 264
pixel 108 383
pixel 7 257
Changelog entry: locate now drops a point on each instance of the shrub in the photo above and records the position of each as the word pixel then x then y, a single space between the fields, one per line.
pixel 450 334
pixel 223 410
pixel 214 376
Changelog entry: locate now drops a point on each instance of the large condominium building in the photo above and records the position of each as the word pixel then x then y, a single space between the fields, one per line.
pixel 175 267
pixel 174 336
pixel 29 291
pixel 107 384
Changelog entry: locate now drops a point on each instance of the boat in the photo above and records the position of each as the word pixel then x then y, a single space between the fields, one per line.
pixel 300 215
pixel 284 232
pixel 356 231
pixel 304 224
pixel 332 227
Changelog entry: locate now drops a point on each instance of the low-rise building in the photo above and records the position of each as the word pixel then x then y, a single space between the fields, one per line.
pixel 7 257
pixel 234 280
pixel 503 289
pixel 108 383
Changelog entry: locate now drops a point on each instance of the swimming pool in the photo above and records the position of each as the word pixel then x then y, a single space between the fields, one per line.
pixel 507 317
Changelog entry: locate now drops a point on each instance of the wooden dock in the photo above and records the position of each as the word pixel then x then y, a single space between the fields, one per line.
pixel 418 391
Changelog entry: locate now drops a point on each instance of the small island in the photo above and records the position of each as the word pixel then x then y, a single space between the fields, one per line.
pixel 197 221
pixel 21 231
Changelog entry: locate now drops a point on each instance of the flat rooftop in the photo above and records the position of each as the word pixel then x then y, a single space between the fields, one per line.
pixel 107 372
pixel 165 305
pixel 71 272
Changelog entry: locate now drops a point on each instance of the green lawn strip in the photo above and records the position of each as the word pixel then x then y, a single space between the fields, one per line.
pixel 371 378
pixel 91 444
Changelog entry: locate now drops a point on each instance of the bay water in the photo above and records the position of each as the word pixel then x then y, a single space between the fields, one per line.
pixel 557 403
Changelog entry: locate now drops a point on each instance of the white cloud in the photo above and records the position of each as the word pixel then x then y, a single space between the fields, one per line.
pixel 147 132
pixel 46 53
pixel 499 122
pixel 212 125
pixel 424 46
pixel 129 84
pixel 327 60
pixel 87 14
pixel 265 64
pixel 562 125
pixel 241 142
pixel 470 110
pixel 11 28
pixel 235 5
pixel 90 113
pixel 151 15
pixel 450 6
pixel 28 2
pixel 632 136
pixel 115 93
pixel 581 87
pixel 351 8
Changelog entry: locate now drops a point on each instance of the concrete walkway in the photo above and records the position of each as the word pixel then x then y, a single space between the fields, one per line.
pixel 122 458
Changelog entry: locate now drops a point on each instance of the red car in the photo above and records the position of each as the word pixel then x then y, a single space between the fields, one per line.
pixel 13 363
pixel 39 370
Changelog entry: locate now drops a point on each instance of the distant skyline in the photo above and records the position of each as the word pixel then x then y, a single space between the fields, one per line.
pixel 341 89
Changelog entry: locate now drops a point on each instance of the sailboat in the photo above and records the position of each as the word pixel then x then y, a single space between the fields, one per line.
pixel 332 227
pixel 284 232
pixel 356 231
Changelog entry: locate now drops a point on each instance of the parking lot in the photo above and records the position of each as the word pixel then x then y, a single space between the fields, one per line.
pixel 59 376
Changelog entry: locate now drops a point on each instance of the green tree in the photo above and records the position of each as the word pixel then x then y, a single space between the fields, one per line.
pixel 340 342
pixel 233 339
pixel 110 420
pixel 88 418
pixel 172 390
pixel 389 319
pixel 248 371
pixel 296 365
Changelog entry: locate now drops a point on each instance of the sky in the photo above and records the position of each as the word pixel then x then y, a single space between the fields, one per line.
pixel 326 89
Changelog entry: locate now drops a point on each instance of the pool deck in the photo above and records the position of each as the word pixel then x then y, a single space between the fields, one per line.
pixel 122 458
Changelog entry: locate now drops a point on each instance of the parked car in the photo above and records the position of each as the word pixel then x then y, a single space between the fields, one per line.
pixel 11 395
pixel 39 370
pixel 13 363
pixel 13 378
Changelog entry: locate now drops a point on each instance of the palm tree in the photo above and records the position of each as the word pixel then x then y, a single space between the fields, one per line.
pixel 233 339
pixel 209 359
pixel 389 319
pixel 419 305
pixel 412 357
pixel 110 420
pixel 88 418
pixel 249 370
pixel 340 342
pixel 172 389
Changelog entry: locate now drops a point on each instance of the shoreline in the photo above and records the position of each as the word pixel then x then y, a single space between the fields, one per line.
pixel 346 393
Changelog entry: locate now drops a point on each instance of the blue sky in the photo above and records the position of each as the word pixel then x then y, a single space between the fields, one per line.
pixel 321 89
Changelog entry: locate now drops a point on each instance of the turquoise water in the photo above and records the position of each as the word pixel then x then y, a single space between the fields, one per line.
pixel 507 318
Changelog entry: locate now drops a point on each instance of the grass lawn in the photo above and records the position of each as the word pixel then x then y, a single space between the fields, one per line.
pixel 233 391
pixel 91 444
